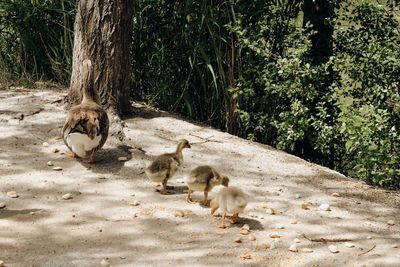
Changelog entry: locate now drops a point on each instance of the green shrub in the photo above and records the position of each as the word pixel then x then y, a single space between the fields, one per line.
pixel 369 51
pixel 36 39
pixel 285 100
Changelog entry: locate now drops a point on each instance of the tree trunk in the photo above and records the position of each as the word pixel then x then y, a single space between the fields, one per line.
pixel 317 12
pixel 103 34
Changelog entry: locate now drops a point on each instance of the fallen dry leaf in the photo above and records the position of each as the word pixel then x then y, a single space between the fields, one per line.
pixel 59 137
pixel 304 206
pixel 265 245
pixel 245 256
pixel 271 211
pixel 238 240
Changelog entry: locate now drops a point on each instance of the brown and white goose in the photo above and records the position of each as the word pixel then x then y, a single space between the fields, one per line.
pixel 165 166
pixel 86 128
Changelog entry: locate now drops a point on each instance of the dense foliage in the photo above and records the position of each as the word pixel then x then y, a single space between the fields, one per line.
pixel 370 122
pixel 36 39
pixel 254 69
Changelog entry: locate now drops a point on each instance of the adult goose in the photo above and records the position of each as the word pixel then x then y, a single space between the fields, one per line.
pixel 86 128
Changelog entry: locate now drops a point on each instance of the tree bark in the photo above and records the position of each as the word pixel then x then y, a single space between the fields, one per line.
pixel 317 12
pixel 103 34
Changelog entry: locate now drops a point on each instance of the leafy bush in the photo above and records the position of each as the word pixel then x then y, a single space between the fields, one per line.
pixel 284 100
pixel 36 38
pixel 369 52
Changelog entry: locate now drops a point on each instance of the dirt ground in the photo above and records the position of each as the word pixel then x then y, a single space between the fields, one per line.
pixel 116 218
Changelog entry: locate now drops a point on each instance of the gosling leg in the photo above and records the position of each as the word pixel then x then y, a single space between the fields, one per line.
pixel 222 225
pixel 189 199
pixel 205 198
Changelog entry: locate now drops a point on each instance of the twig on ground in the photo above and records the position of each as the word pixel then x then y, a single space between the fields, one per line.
pixel 325 240
pixel 374 246
pixel 207 139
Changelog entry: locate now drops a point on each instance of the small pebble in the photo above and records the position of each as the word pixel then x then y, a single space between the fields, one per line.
pixel 390 222
pixel 261 217
pixel 32 213
pixel 2 263
pixel 57 169
pixel 12 194
pixel 179 213
pixel 105 262
pixel 297 196
pixel 135 203
pixel 395 246
pixel 349 245
pixel 45 144
pixel 67 196
pixel 2 205
pixel 293 248
pixel 54 150
pixel 244 232
pixel 49 163
pixel 122 159
pixel 275 243
pixel 333 249
pixel 325 207
pixel 279 226
pixel 246 227
pixel 100 176
pixel 252 237
pixel 335 195
pixel 307 250
pixel 369 237
pixel 293 222
pixel 296 240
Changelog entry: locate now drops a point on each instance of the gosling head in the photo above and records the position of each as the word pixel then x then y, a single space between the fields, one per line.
pixel 185 143
pixel 225 181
